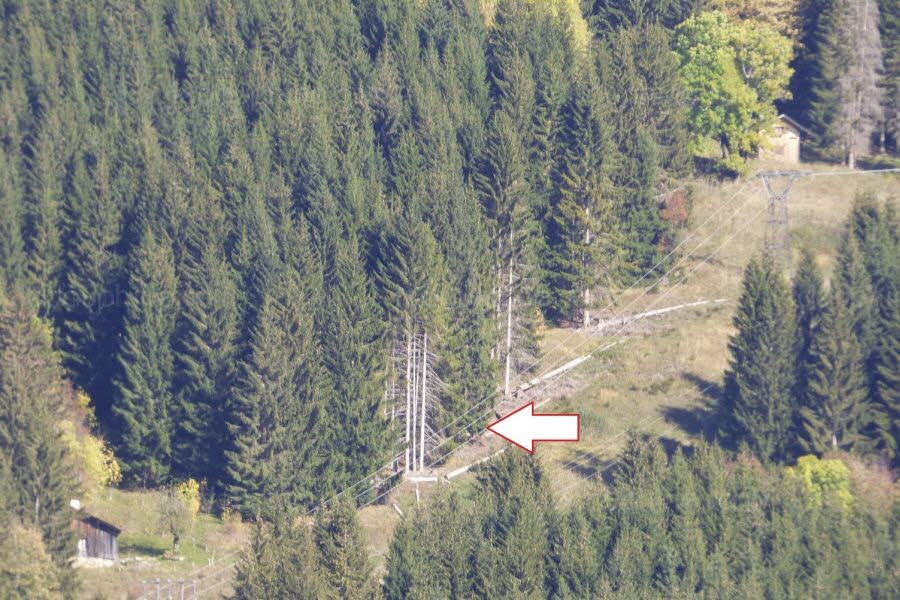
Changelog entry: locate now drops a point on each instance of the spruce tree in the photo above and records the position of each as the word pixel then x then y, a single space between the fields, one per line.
pixel 644 230
pixel 876 235
pixel 43 212
pixel 551 87
pixel 516 513
pixel 342 556
pixel 886 406
pixel 835 406
pixel 823 100
pixel 688 541
pixel 758 406
pixel 846 110
pixel 890 37
pixel 39 470
pixel 89 315
pixel 406 560
pixel 352 350
pixel 276 405
pixel 610 15
pixel 506 196
pixel 506 192
pixel 855 286
pixel 642 72
pixel 809 302
pixel 581 246
pixel 468 371
pixel 26 568
pixel 142 405
pixel 281 563
pixel 12 245
pixel 205 346
pixel 806 56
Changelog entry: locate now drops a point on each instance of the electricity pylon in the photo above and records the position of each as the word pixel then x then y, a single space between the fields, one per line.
pixel 778 242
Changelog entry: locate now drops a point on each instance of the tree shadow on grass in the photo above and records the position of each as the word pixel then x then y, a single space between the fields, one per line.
pixel 587 465
pixel 142 545
pixel 701 420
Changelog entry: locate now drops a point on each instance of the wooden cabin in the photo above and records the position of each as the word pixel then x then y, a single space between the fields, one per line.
pixel 782 142
pixel 96 538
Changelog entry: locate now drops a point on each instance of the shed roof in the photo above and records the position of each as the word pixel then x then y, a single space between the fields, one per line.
pixel 793 123
pixel 99 523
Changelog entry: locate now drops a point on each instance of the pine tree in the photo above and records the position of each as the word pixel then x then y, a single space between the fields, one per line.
pixel 272 455
pixel 758 408
pixel 835 407
pixel 205 346
pixel 352 350
pixel 37 462
pixel 809 302
pixel 143 401
pixel 341 553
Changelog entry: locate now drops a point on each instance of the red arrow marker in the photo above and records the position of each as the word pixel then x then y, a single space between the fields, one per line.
pixel 523 428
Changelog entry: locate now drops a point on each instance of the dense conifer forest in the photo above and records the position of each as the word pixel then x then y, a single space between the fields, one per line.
pixel 235 235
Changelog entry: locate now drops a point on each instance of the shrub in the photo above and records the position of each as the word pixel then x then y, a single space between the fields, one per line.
pixel 189 493
pixel 823 476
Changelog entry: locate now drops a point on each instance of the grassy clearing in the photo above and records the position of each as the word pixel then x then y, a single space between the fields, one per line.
pixel 663 377
pixel 665 374
pixel 142 545
pixel 666 377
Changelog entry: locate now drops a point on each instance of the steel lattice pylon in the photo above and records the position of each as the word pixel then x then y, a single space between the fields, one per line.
pixel 778 243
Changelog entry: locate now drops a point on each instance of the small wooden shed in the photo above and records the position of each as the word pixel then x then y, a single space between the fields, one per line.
pixel 96 538
pixel 782 143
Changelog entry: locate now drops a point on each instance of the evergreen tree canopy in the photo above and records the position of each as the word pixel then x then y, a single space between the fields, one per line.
pixel 758 406
pixel 36 478
pixel 836 396
pixel 809 303
pixel 273 458
pixel 143 404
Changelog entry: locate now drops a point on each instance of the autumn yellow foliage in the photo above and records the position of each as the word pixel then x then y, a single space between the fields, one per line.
pixel 823 476
pixel 189 493
pixel 93 457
